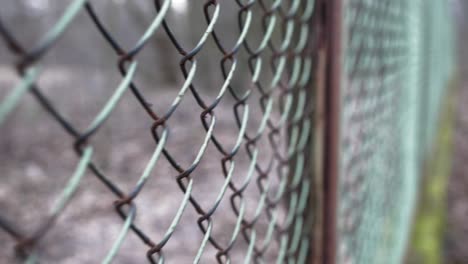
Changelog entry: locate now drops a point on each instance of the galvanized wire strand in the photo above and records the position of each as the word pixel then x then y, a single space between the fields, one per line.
pixel 10 102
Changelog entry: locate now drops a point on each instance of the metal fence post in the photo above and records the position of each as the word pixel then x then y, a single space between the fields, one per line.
pixel 332 112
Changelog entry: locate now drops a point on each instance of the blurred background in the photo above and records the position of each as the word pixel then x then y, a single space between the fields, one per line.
pixel 455 229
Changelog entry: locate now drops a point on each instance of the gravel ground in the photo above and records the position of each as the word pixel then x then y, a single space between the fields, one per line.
pixel 37 159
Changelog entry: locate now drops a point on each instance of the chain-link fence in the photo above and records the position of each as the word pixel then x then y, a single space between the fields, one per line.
pixel 398 63
pixel 206 127
pixel 265 77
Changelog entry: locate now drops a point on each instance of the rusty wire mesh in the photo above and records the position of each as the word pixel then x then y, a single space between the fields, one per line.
pixel 274 144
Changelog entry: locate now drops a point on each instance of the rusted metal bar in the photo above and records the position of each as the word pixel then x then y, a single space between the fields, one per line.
pixel 315 154
pixel 333 11
pixel 316 158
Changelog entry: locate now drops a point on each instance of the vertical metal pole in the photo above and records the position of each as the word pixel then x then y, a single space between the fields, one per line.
pixel 316 152
pixel 334 26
